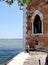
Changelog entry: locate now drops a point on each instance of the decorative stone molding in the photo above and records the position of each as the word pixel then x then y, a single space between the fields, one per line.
pixel 46 1
pixel 45 35
pixel 28 13
pixel 37 12
pixel 24 25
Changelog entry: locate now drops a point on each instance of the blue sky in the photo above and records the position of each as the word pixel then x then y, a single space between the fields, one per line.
pixel 11 21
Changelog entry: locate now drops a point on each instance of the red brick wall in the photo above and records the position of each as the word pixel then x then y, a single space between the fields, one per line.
pixel 43 8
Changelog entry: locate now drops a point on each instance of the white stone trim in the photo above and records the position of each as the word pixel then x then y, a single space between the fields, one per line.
pixel 46 1
pixel 37 12
pixel 24 26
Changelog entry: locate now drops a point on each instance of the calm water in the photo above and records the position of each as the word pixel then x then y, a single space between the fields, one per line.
pixel 9 48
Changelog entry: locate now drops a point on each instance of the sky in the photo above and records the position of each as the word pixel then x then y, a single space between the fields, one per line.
pixel 11 21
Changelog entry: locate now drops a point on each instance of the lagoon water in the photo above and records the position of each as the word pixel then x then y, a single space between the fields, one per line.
pixel 9 48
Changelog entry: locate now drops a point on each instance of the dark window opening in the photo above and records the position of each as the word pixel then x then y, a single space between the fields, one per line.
pixel 37 25
pixel 46 1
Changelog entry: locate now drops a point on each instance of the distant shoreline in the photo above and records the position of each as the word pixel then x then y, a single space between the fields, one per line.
pixel 12 38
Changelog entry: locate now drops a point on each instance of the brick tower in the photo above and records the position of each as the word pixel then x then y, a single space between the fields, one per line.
pixel 35 24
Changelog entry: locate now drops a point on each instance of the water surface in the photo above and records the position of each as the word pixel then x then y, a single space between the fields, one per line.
pixel 9 48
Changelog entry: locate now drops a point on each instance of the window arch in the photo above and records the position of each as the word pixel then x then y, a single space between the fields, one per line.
pixel 37 23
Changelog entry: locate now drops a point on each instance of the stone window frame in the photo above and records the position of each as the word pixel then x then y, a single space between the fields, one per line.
pixel 46 1
pixel 37 12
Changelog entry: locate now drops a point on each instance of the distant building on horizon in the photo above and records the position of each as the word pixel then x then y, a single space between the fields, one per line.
pixel 35 24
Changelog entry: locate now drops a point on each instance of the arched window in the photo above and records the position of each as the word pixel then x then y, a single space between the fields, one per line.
pixel 37 25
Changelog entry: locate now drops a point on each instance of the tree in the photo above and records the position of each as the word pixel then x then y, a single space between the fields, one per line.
pixel 20 2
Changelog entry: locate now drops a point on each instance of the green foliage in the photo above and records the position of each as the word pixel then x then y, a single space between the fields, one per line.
pixel 10 2
pixel 22 2
pixel 27 1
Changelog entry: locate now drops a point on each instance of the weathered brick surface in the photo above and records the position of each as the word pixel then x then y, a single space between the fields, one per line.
pixel 42 6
